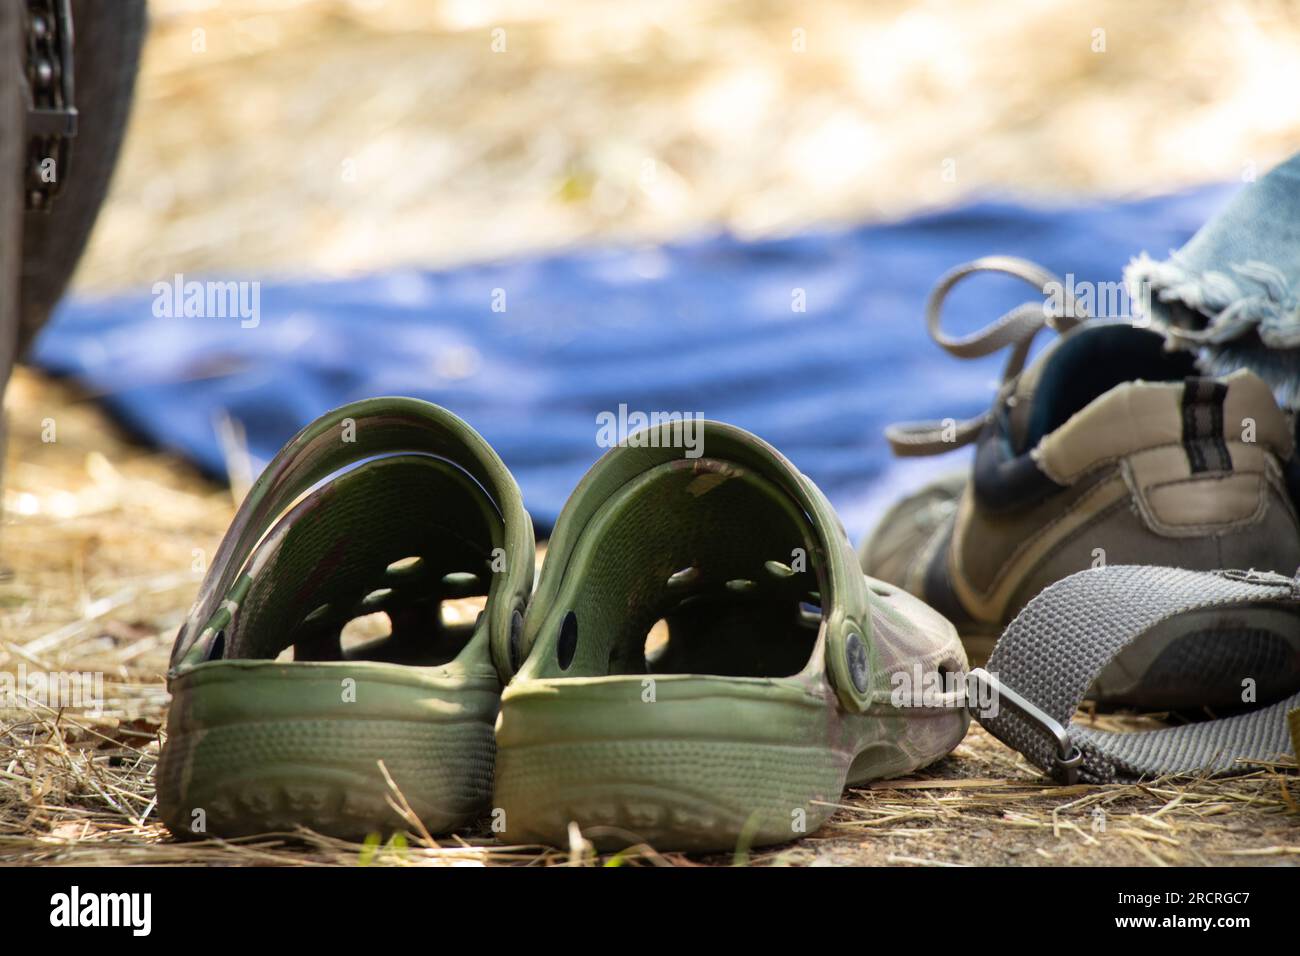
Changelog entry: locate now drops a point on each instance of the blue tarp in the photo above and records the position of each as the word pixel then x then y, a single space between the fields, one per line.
pixel 530 351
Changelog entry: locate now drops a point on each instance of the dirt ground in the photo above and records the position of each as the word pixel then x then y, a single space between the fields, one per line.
pixel 326 137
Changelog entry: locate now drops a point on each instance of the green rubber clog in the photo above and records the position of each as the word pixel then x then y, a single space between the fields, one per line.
pixel 387 505
pixel 785 674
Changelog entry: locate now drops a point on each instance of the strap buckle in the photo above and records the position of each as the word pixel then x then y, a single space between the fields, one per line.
pixel 1265 579
pixel 1069 758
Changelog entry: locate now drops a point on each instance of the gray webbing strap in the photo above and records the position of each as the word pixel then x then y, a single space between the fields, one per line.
pixel 1051 653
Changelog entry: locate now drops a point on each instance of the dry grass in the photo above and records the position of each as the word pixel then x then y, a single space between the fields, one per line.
pixel 333 135
pixel 328 136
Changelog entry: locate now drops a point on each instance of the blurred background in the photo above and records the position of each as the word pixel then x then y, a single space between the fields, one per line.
pixel 342 148
pixel 320 136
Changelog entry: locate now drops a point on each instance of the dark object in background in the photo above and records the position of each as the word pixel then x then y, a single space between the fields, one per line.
pixel 13 147
pixel 39 248
pixel 107 40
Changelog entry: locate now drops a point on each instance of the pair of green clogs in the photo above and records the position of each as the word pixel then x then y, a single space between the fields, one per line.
pixel 777 682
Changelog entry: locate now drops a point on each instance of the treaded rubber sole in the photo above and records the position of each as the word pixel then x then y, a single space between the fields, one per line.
pixel 324 775
pixel 677 794
pixel 261 747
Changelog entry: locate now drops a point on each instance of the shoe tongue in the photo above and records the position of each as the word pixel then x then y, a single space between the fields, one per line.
pixel 1024 426
pixel 1020 403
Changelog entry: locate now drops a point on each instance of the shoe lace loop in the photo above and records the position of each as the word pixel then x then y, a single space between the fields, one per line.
pixel 1016 328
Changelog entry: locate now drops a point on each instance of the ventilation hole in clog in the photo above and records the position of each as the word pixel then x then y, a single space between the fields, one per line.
pixel 463 584
pixel 461 612
pixel 950 673
pixel 317 615
pixel 404 566
pixel 377 597
pixel 683 578
pixel 810 613
pixel 363 629
pixel 516 639
pixel 567 645
pixel 656 644
pixel 778 570
pixel 741 585
pixel 881 592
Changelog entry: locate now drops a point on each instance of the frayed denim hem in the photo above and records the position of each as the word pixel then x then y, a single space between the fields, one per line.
pixel 1249 318
pixel 1257 298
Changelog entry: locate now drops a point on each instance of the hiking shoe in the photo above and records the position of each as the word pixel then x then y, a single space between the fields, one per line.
pixel 406 509
pixel 704 665
pixel 1107 449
